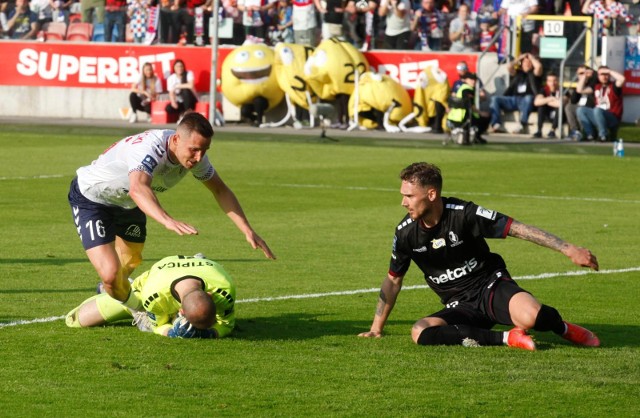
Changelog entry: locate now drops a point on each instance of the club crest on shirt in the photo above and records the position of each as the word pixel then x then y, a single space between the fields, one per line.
pixel 149 162
pixel 486 213
pixel 438 243
pixel 453 238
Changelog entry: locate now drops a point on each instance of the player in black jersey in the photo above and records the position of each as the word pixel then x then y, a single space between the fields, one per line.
pixel 445 237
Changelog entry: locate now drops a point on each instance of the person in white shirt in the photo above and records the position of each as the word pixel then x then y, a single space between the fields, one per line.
pixel 398 29
pixel 462 32
pixel 523 8
pixel 111 198
pixel 305 24
pixel 181 88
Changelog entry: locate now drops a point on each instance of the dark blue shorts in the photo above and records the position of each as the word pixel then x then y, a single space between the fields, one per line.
pixel 489 307
pixel 99 224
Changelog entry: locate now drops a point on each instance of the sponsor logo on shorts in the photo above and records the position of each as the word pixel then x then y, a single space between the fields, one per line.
pixel 454 274
pixel 149 162
pixel 422 249
pixel 133 231
pixel 438 243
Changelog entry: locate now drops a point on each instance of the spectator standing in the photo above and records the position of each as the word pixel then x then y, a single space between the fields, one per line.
pixel 282 28
pixel 253 18
pixel 398 23
pixel 92 11
pixel 144 92
pixel 523 8
pixel 138 12
pixel 607 113
pixel 463 32
pixel 4 11
pixel 44 10
pixel 181 88
pixel 525 81
pixel 167 33
pixel 333 16
pixel 22 23
pixel 548 101
pixel 230 10
pixel 304 22
pixel 429 22
pixel 486 33
pixel 361 24
pixel 609 13
pixel 60 10
pixel 115 19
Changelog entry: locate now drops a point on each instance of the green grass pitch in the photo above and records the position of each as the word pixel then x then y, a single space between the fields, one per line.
pixel 328 210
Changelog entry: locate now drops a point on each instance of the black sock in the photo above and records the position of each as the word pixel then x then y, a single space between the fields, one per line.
pixel 456 334
pixel 549 319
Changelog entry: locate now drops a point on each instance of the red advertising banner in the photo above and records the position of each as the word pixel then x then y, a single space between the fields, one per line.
pixel 101 65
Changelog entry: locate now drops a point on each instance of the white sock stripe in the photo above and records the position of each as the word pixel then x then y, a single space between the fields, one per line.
pixel 360 291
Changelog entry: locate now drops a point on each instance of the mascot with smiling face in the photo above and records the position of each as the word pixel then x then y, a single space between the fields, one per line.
pixel 249 82
pixel 332 72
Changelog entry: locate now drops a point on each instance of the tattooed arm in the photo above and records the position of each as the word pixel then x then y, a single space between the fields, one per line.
pixel 578 255
pixel 388 293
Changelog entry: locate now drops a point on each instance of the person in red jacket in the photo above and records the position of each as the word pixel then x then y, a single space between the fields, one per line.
pixel 607 113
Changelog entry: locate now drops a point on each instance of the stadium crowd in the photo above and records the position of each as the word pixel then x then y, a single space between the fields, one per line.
pixel 428 25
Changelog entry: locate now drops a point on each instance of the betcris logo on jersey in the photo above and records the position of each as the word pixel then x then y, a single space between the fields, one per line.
pixel 149 162
pixel 451 275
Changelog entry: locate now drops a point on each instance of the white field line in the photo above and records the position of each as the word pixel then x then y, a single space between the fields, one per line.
pixel 44 176
pixel 356 292
pixel 454 193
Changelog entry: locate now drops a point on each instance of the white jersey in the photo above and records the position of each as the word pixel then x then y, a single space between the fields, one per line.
pixel 106 180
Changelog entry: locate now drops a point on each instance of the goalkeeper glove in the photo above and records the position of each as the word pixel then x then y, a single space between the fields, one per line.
pixel 183 329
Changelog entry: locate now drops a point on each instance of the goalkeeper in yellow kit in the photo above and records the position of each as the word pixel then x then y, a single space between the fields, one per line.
pixel 182 296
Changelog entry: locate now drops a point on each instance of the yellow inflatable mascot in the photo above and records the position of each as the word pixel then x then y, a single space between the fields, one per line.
pixel 249 82
pixel 332 72
pixel 380 101
pixel 288 66
pixel 431 97
pixel 332 68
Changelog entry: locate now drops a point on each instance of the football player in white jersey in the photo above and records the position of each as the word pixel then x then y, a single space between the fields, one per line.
pixel 111 198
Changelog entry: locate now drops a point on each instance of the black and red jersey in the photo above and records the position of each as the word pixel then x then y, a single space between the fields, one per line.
pixel 453 255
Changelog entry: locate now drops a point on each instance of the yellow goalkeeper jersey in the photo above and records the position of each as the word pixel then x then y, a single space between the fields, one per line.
pixel 160 300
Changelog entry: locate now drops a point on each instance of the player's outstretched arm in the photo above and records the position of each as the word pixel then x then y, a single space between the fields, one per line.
pixel 231 206
pixel 389 290
pixel 578 255
pixel 141 193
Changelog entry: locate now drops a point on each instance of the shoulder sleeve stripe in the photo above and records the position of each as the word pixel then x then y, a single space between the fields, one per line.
pixel 454 207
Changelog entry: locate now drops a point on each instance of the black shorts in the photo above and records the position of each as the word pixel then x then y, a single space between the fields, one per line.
pixel 488 308
pixel 99 224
